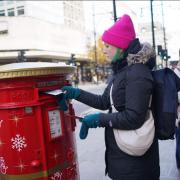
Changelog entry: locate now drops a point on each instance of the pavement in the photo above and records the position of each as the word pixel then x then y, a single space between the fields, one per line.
pixel 89 86
pixel 91 152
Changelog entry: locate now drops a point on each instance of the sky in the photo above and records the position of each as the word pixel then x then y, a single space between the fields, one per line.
pixel 104 17
pixel 104 10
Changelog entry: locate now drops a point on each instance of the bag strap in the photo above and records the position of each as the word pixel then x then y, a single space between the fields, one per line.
pixel 113 109
pixel 111 100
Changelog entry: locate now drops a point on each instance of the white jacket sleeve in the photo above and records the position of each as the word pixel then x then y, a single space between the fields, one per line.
pixel 177 71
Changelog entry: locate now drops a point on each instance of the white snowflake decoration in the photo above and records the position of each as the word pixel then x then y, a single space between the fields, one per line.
pixel 3 167
pixel 57 176
pixel 18 142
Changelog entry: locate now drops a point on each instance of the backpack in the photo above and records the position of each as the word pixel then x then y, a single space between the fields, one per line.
pixel 165 102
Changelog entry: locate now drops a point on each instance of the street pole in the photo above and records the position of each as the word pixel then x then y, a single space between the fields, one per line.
pixel 95 47
pixel 152 26
pixel 114 10
pixel 164 31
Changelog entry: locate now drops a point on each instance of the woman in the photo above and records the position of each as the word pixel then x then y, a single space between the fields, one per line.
pixel 130 95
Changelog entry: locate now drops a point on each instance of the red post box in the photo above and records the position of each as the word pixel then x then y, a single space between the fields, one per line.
pixel 37 139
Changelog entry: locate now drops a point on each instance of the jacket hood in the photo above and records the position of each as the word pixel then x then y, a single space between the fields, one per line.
pixel 145 54
pixel 177 71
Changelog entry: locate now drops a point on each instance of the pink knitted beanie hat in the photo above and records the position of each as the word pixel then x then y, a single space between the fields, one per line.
pixel 121 33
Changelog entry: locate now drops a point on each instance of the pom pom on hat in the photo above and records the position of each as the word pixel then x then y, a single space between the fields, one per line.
pixel 121 34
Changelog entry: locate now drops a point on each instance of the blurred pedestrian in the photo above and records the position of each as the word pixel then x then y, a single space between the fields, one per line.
pixel 76 81
pixel 177 71
pixel 130 90
pixel 94 78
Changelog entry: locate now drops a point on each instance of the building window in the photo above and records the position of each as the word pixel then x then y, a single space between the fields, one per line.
pixel 1 3
pixel 9 2
pixel 3 27
pixel 11 12
pixel 2 13
pixel 20 10
pixel 3 32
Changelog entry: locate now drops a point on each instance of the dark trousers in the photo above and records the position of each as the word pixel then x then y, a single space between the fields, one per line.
pixel 146 179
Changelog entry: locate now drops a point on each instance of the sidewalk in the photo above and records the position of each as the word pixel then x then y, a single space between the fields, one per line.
pixel 168 161
pixel 88 85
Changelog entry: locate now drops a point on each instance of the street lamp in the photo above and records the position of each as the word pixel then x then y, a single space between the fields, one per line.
pixel 164 34
pixel 95 47
pixel 114 10
pixel 152 27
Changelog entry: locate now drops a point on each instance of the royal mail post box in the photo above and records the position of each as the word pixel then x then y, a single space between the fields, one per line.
pixel 37 139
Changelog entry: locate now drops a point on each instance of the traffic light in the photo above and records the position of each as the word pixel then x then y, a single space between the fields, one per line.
pixel 72 60
pixel 21 56
pixel 73 57
pixel 163 53
pixel 159 47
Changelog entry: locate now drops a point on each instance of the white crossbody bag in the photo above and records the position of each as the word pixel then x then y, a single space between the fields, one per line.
pixel 135 142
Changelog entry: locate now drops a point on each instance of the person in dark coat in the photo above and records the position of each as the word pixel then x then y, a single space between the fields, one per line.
pixel 130 95
pixel 177 71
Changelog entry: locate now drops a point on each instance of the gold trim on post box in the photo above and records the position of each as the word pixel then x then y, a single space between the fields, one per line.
pixel 34 69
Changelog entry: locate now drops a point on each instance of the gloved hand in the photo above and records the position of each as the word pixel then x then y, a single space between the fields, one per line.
pixel 71 93
pixel 62 102
pixel 89 121
pixel 83 131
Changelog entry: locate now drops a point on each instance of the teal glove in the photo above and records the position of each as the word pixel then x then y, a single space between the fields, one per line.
pixel 89 121
pixel 71 93
pixel 83 131
pixel 62 102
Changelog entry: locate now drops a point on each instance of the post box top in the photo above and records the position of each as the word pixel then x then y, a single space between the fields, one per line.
pixel 34 69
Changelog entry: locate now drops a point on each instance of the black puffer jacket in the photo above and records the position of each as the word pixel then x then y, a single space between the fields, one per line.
pixel 132 87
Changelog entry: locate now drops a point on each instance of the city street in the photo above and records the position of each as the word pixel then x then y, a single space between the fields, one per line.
pixel 49 44
pixel 91 150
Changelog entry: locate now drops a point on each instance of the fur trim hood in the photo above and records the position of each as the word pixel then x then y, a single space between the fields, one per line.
pixel 146 52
